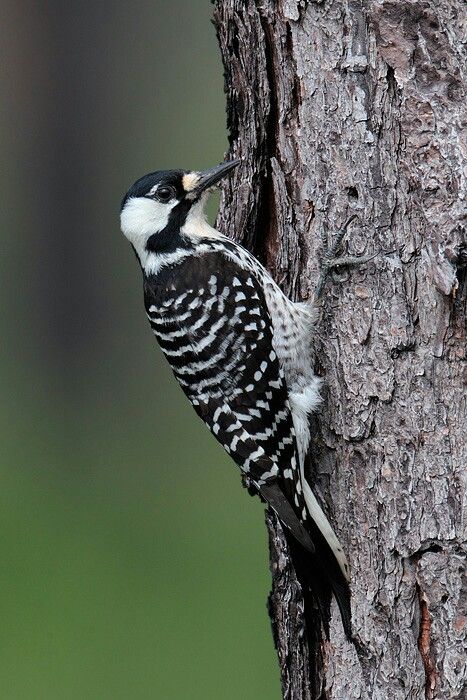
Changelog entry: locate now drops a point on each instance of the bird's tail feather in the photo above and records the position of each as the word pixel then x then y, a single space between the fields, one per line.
pixel 324 526
pixel 320 573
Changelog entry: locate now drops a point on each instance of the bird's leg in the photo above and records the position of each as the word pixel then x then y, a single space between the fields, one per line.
pixel 331 259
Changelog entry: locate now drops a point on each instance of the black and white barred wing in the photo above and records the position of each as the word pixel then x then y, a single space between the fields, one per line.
pixel 212 323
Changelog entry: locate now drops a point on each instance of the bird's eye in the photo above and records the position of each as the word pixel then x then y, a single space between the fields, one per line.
pixel 165 194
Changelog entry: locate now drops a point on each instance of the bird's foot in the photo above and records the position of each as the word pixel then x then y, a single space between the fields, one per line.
pixel 332 260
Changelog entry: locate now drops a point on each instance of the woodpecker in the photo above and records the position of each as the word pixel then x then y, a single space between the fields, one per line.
pixel 240 350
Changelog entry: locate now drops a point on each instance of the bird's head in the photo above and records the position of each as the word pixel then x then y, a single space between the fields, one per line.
pixel 162 204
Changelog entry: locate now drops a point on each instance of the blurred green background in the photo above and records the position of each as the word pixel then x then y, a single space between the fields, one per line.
pixel 133 564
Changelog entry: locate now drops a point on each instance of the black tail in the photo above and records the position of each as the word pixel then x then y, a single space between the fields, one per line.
pixel 320 577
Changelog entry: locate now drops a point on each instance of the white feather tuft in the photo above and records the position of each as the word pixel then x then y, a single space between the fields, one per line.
pixel 302 403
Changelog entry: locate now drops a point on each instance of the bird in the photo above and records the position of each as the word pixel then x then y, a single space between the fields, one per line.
pixel 241 352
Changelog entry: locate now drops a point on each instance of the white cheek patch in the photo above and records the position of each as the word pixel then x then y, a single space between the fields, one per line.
pixel 142 217
pixel 190 181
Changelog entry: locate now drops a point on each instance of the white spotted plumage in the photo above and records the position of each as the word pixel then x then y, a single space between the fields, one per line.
pixel 240 349
pixel 293 325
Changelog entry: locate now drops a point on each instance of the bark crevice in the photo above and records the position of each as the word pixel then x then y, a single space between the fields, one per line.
pixel 357 108
pixel 424 645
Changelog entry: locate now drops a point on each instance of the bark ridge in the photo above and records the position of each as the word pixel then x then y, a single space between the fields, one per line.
pixel 357 107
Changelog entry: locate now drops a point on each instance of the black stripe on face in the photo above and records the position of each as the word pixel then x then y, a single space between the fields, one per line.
pixel 170 239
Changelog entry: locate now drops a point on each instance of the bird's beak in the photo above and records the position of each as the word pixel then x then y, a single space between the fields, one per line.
pixel 211 177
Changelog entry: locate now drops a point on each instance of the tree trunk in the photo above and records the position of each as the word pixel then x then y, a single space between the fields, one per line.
pixel 355 107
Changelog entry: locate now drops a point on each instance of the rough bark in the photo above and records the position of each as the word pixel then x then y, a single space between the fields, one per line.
pixel 340 107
